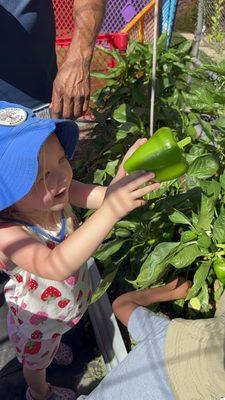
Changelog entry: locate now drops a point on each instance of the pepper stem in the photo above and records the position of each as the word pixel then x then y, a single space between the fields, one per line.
pixel 184 142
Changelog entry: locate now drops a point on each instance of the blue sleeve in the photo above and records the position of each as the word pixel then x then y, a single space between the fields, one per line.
pixel 143 322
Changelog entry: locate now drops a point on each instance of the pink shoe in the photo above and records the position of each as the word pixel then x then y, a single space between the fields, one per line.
pixel 57 393
pixel 64 355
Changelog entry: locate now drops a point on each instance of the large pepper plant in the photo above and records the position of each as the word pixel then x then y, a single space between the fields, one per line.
pixel 182 228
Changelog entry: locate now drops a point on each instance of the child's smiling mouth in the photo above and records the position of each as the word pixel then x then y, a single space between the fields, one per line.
pixel 61 193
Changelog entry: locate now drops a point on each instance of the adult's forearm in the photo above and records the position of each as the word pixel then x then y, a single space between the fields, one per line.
pixel 88 17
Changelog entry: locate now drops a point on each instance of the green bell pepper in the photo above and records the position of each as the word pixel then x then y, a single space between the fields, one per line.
pixel 161 154
pixel 219 268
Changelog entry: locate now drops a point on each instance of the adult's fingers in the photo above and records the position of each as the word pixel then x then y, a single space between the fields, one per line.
pixel 56 104
pixel 78 106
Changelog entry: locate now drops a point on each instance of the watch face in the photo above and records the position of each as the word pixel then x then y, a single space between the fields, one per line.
pixel 12 116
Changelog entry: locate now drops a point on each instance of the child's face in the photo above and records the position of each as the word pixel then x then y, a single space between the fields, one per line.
pixel 51 189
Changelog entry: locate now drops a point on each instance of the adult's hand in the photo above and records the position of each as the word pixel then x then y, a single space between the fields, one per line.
pixel 71 89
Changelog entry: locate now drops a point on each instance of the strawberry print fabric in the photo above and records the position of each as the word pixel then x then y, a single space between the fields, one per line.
pixel 42 310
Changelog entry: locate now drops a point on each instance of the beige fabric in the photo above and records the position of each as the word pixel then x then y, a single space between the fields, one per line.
pixel 195 357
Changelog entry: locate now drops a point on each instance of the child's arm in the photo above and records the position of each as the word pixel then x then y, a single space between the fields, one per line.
pixel 122 196
pixel 86 196
pixel 91 196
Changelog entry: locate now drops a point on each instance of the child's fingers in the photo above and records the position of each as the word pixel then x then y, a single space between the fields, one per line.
pixel 136 194
pixel 137 179
pixel 134 147
pixel 140 203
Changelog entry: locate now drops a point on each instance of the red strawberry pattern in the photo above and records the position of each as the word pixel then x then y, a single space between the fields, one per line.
pixel 45 307
pixel 51 245
pixel 13 309
pixel 19 278
pixel 72 280
pixel 36 335
pixel 63 303
pixel 50 293
pixel 38 318
pixel 75 321
pixel 18 350
pixel 32 347
pixel 23 305
pixel 55 336
pixel 32 285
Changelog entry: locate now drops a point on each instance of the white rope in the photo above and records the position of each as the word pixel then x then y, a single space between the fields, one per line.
pixel 154 65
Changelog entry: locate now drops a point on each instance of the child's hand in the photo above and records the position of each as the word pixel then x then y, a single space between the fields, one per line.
pixel 125 194
pixel 121 171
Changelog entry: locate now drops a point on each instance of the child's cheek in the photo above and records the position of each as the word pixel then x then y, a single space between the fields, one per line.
pixel 47 198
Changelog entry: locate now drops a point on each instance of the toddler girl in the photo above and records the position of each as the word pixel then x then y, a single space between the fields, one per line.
pixel 42 249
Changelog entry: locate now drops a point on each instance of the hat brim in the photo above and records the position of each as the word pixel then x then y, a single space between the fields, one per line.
pixel 193 350
pixel 20 161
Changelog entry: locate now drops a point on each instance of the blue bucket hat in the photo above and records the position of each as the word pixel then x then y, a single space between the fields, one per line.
pixel 22 135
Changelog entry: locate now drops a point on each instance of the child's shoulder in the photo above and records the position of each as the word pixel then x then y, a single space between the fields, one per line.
pixel 13 237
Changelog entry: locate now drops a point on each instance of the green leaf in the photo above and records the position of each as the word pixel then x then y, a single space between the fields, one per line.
pixel 204 166
pixel 207 128
pixel 111 167
pixel 220 123
pixel 211 188
pixel 131 225
pixel 199 278
pixel 222 180
pixel 179 218
pixel 155 264
pixel 218 228
pixel 206 213
pixel 120 135
pixel 204 298
pixel 108 249
pixel 185 47
pixel 204 241
pixel 107 280
pixel 186 256
pixel 99 176
pixel 188 236
pixel 104 285
pixel 195 304
pixel 120 114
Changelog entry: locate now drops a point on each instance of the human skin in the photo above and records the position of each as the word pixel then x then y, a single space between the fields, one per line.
pixel 125 304
pixel 71 88
pixel 50 195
